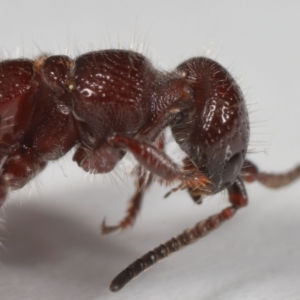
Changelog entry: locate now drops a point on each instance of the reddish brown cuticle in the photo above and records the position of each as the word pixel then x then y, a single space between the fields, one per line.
pixel 107 103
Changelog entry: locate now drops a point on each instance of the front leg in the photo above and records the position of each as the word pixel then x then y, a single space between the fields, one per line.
pixel 101 159
pixel 158 163
pixel 197 192
pixel 154 160
pixel 143 181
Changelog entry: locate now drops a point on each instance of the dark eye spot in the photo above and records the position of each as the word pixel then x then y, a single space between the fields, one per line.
pixel 232 168
pixel 178 118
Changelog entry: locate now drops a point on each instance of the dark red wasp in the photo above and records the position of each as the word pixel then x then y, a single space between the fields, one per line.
pixel 106 103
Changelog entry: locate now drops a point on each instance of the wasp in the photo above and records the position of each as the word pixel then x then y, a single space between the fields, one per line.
pixel 110 102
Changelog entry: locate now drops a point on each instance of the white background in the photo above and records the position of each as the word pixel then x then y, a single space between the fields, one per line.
pixel 52 246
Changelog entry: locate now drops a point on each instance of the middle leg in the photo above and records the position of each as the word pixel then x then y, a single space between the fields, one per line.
pixel 143 181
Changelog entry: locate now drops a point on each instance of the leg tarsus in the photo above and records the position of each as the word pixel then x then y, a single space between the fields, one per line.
pixel 196 184
pixel 144 180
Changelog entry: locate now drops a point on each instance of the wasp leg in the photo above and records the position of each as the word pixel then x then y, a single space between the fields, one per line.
pixel 143 181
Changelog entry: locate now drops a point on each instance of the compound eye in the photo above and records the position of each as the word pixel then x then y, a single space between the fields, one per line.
pixel 232 169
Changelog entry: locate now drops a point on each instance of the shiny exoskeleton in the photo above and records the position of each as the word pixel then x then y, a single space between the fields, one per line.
pixel 109 102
